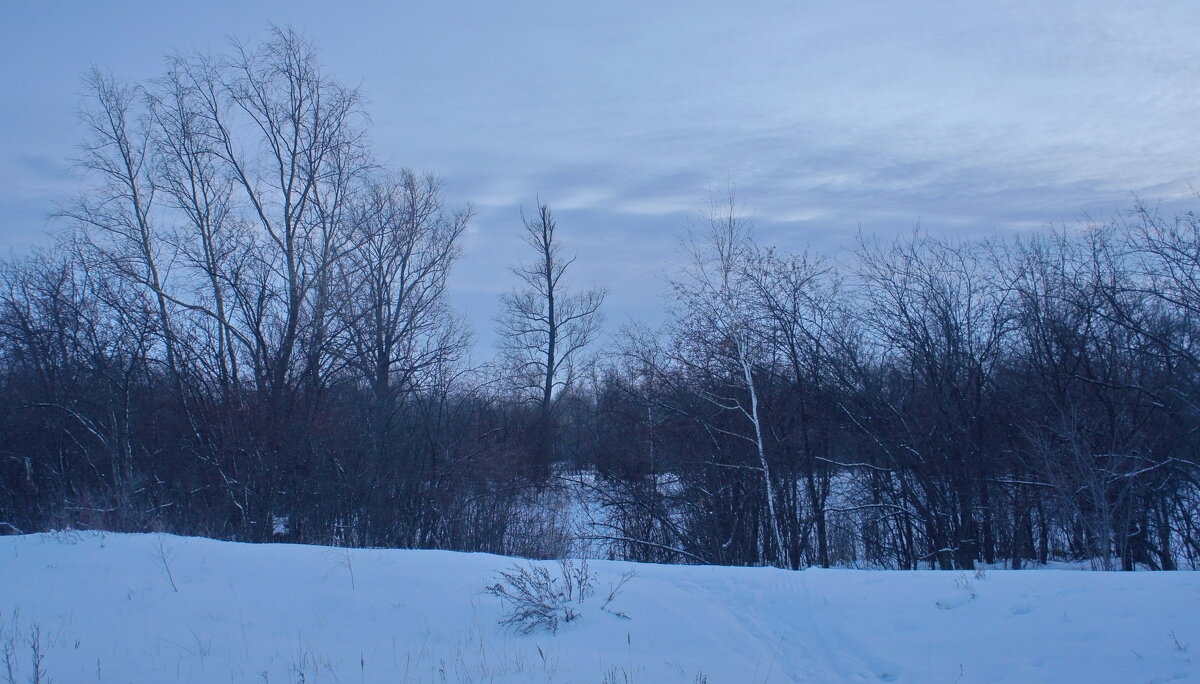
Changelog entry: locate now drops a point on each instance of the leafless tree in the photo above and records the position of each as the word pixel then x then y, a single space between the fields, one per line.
pixel 795 301
pixel 713 297
pixel 209 237
pixel 544 327
pixel 391 287
pixel 116 214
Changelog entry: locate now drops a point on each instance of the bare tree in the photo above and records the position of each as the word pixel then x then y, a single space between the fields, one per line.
pixel 391 288
pixel 544 327
pixel 291 140
pixel 720 337
pixel 209 238
pixel 116 214
pixel 795 301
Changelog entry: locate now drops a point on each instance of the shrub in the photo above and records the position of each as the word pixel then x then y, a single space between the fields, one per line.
pixel 538 599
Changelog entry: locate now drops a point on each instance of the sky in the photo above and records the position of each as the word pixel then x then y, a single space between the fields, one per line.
pixel 830 119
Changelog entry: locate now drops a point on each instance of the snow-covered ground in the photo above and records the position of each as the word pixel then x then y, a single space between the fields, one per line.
pixel 107 609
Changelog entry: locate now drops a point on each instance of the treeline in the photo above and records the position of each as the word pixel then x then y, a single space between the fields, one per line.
pixel 929 403
pixel 242 332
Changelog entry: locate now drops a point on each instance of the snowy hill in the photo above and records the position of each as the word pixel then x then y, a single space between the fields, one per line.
pixel 105 608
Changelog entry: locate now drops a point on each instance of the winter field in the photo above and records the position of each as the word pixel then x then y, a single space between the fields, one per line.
pixel 159 608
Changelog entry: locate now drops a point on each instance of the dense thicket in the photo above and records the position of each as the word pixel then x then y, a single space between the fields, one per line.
pixel 931 402
pixel 243 333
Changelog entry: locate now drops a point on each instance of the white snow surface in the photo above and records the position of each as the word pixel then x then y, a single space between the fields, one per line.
pixel 106 611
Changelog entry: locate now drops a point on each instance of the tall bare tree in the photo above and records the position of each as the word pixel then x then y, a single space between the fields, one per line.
pixel 544 327
pixel 721 341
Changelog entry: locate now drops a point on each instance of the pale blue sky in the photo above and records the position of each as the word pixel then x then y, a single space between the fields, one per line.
pixel 967 117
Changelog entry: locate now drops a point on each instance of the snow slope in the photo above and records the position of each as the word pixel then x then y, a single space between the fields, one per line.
pixel 106 611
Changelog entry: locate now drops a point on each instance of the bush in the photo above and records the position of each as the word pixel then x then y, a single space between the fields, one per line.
pixel 538 599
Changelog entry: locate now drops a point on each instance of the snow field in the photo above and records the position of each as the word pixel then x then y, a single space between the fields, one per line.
pixel 160 608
